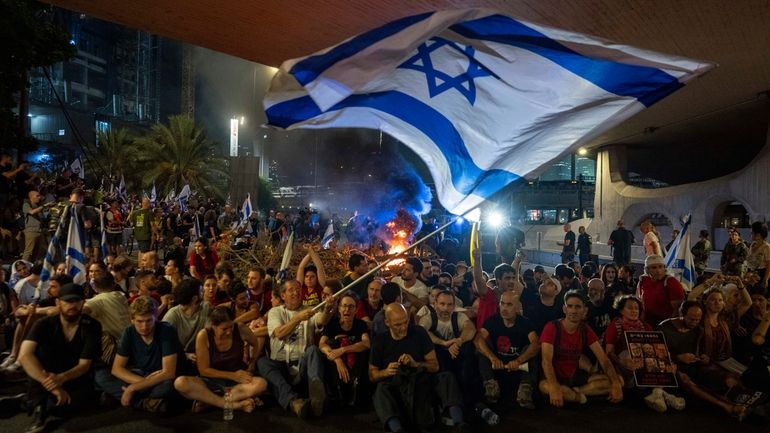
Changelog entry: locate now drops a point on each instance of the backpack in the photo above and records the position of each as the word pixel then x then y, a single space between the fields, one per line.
pixel 434 323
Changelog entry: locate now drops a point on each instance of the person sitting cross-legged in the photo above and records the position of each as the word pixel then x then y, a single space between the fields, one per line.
pixel 403 363
pixel 345 342
pixel 505 343
pixel 452 335
pixel 294 357
pixel 57 356
pixel 145 364
pixel 219 353
pixel 562 343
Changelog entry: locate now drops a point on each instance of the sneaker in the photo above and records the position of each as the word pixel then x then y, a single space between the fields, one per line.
pixel 153 405
pixel 524 396
pixel 491 391
pixel 13 368
pixel 7 362
pixel 39 420
pixel 300 407
pixel 655 401
pixel 672 401
pixel 317 393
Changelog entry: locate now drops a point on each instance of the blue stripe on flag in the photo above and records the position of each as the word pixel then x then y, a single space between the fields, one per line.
pixel 311 67
pixel 466 176
pixel 646 84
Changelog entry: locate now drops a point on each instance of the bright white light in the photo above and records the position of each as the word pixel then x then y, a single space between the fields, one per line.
pixel 243 120
pixel 582 151
pixel 311 204
pixel 495 219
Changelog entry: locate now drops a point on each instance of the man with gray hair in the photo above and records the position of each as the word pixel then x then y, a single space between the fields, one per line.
pixel 294 356
pixel 599 306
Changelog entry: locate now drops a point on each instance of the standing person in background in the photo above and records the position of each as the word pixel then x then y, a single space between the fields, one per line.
pixel 568 245
pixel 674 234
pixel 113 220
pixel 141 220
pixel 620 240
pixel 35 224
pixel 700 253
pixel 583 246
pixel 734 255
pixel 758 260
pixel 651 240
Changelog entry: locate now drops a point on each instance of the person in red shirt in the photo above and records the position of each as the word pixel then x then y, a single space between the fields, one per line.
pixel 562 343
pixel 368 308
pixel 661 294
pixel 203 260
pixel 311 277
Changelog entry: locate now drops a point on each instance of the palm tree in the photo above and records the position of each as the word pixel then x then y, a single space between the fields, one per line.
pixel 116 153
pixel 178 154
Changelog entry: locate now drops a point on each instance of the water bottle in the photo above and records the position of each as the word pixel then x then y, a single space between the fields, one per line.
pixel 228 410
pixel 489 416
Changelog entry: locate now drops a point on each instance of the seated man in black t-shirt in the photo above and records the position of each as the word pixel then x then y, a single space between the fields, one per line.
pixel 505 344
pixel 403 363
pixel 57 355
pixel 145 364
pixel 345 343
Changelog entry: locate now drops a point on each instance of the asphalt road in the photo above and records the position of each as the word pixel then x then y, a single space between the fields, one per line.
pixel 631 416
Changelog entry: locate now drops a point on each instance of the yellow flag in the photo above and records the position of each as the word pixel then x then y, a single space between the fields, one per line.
pixel 474 241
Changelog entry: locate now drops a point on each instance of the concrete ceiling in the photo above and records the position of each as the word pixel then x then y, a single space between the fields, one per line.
pixel 733 34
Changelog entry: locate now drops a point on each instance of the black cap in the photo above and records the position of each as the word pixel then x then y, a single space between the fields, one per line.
pixel 71 292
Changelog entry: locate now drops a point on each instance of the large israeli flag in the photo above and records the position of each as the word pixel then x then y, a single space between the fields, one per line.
pixel 76 257
pixel 483 98
pixel 679 259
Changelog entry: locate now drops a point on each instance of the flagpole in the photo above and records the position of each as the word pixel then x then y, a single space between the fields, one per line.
pixel 385 263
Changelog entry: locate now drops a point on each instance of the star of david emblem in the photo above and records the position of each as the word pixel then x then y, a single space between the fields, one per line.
pixel 440 82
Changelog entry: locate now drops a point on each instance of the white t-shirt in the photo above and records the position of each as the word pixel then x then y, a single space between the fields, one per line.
pixel 111 310
pixel 444 327
pixel 419 289
pixel 292 348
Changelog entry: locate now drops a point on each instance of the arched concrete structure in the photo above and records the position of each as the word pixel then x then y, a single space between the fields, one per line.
pixel 616 199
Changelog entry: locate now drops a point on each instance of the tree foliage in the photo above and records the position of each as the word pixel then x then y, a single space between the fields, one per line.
pixel 178 154
pixel 29 38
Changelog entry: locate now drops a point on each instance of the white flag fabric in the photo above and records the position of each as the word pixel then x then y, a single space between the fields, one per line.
pixel 183 196
pixel 328 236
pixel 76 257
pixel 246 211
pixel 482 98
pixel 77 168
pixel 153 194
pixel 122 188
pixel 679 258
pixel 288 251
pixel 49 261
